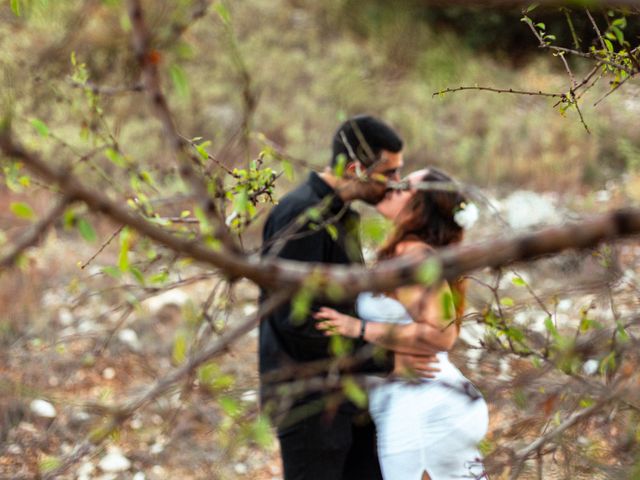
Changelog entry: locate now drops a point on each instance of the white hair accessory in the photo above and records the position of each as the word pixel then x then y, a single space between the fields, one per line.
pixel 467 215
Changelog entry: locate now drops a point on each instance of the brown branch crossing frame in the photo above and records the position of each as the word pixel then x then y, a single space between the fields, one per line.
pixel 276 274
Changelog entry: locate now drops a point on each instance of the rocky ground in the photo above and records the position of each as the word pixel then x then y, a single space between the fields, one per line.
pixel 72 339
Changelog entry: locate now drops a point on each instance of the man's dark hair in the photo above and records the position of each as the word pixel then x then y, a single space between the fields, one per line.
pixel 362 138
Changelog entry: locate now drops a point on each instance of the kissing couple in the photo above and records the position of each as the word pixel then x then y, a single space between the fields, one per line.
pixel 424 418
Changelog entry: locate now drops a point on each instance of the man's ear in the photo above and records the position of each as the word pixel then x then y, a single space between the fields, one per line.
pixel 354 169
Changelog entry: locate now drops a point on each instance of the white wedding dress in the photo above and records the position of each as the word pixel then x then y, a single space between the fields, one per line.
pixel 431 425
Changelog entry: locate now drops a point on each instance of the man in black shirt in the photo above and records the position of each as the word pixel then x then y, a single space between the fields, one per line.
pixel 314 223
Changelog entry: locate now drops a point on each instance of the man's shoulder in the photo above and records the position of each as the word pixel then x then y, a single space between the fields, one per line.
pixel 294 202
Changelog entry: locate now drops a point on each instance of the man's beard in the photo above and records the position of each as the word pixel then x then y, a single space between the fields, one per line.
pixel 372 196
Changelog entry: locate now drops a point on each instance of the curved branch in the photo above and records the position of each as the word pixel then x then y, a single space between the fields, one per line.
pixel 278 274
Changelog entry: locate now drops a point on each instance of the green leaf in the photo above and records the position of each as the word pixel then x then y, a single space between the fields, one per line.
pixel 40 127
pixel 179 352
pixel 428 271
pixel 332 231
pixel 137 274
pixel 123 257
pixel 202 149
pixel 448 306
pixel 230 406
pixel 341 162
pixel 518 281
pixel 587 324
pixel 205 226
pixel 354 392
pixel 223 13
pixel 507 301
pixel 207 373
pixel 340 346
pixel 223 382
pixel 86 230
pixel 515 334
pixel 160 277
pixel 48 462
pixel 541 26
pixel 115 157
pixel 608 43
pixel 261 431
pixel 22 210
pixel 551 328
pixel 532 7
pixel 15 7
pixel 179 79
pixel 618 34
pixel 608 363
pixel 313 213
pixel 300 305
pixel 287 168
pixel 112 272
pixel 620 22
pixel 241 201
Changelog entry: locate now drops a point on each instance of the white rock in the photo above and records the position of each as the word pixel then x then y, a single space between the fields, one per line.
pixel 240 468
pixel 473 357
pixel 250 396
pixel 565 304
pixel 114 462
pixel 106 476
pixel 65 317
pixel 505 370
pixel 108 373
pixel 590 367
pixel 42 408
pixel 159 471
pixel 136 424
pixel 14 449
pixel 170 297
pixel 603 196
pixel 86 469
pixel 521 318
pixel 130 338
pixel 472 333
pixel 88 326
pixel 158 446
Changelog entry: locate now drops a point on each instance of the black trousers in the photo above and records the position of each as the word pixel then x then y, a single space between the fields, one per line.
pixel 341 447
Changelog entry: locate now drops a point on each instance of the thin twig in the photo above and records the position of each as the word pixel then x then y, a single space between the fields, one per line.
pixel 102 247
pixel 595 27
pixel 617 86
pixel 501 90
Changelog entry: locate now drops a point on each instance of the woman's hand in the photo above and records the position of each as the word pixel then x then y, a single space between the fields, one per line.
pixel 333 322
pixel 412 366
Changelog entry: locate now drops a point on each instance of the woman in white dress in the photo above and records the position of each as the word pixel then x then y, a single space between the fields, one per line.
pixel 425 426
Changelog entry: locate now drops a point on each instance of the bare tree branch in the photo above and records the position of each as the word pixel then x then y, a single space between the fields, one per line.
pixel 148 61
pixel 35 234
pixel 453 262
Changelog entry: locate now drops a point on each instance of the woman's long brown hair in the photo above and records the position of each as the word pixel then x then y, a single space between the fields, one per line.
pixel 431 219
